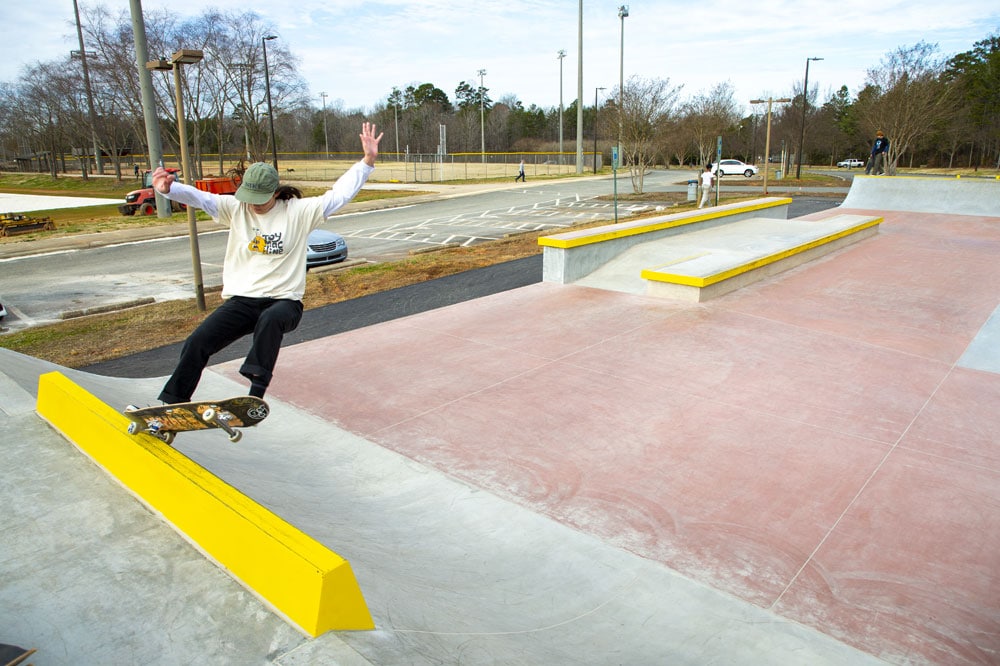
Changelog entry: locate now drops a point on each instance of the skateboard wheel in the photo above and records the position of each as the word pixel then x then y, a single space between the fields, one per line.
pixel 235 437
pixel 209 415
pixel 133 428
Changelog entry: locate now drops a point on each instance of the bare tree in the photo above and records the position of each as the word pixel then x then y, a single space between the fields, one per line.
pixel 707 116
pixel 905 97
pixel 647 106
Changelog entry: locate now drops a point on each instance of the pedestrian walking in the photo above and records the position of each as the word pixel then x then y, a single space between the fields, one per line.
pixel 707 184
pixel 520 173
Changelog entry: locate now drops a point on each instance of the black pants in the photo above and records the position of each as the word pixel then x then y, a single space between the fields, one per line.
pixel 267 318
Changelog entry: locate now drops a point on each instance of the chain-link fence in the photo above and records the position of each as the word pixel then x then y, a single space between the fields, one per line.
pixel 391 167
pixel 421 168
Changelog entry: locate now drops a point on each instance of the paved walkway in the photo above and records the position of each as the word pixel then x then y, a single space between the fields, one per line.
pixel 803 471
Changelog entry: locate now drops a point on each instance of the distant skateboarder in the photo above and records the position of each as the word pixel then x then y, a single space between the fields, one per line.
pixel 880 151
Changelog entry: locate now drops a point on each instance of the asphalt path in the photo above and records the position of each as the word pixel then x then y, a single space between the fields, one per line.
pixel 385 306
pixel 114 269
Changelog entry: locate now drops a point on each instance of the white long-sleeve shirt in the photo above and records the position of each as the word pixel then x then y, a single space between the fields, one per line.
pixel 266 254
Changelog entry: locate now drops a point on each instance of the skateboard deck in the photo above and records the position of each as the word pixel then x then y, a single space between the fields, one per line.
pixel 10 655
pixel 164 421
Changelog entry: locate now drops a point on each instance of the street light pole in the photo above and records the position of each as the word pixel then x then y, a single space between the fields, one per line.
pixel 622 13
pixel 270 111
pixel 326 137
pixel 805 103
pixel 482 117
pixel 561 55
pixel 243 112
pixel 596 90
pixel 579 89
pixel 98 162
pixel 767 140
pixel 185 57
pixel 150 119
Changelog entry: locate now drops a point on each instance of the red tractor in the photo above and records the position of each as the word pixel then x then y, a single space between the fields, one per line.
pixel 144 201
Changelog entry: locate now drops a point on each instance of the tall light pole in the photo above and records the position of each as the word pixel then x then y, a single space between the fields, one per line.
pixel 579 90
pixel 767 141
pixel 270 111
pixel 805 103
pixel 622 13
pixel 98 162
pixel 185 57
pixel 243 112
pixel 482 116
pixel 150 118
pixel 326 137
pixel 596 90
pixel 561 55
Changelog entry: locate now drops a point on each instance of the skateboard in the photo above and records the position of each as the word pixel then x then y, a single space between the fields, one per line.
pixel 12 654
pixel 165 421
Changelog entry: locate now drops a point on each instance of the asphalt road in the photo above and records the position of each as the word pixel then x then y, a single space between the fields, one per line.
pixel 385 306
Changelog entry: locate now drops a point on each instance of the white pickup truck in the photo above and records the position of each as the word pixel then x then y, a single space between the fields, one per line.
pixel 851 163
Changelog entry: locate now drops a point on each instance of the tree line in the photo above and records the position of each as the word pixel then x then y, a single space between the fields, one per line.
pixel 936 110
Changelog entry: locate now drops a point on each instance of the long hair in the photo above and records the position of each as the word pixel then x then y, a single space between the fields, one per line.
pixel 285 192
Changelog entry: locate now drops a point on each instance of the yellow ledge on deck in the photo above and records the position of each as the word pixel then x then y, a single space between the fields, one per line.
pixel 305 582
pixel 658 275
pixel 608 232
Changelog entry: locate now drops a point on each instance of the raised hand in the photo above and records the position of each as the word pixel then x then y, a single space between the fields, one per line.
pixel 369 142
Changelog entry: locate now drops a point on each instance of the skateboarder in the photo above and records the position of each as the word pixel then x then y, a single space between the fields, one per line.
pixel 880 151
pixel 264 273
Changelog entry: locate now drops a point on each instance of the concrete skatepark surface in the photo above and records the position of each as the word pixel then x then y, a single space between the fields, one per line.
pixel 802 471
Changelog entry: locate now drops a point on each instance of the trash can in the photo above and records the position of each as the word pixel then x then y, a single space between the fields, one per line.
pixel 692 190
pixel 777 174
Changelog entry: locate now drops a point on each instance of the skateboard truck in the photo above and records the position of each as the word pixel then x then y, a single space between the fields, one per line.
pixel 230 415
pixel 220 419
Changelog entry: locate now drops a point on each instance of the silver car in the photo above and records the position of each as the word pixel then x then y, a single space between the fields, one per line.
pixel 325 247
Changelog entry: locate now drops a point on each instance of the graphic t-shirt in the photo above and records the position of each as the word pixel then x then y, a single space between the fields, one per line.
pixel 266 254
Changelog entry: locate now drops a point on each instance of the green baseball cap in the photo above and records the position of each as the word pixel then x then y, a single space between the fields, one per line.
pixel 258 185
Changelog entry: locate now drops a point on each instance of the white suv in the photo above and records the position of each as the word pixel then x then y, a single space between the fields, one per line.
pixel 735 167
pixel 853 162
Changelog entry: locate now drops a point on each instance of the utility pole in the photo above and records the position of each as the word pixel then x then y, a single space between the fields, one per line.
pixel 805 103
pixel 482 116
pixel 561 55
pixel 152 123
pixel 326 137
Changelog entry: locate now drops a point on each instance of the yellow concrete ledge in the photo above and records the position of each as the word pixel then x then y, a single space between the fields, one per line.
pixel 608 232
pixel 309 585
pixel 779 260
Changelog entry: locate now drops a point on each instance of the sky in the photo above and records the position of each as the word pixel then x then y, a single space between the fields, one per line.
pixel 357 52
